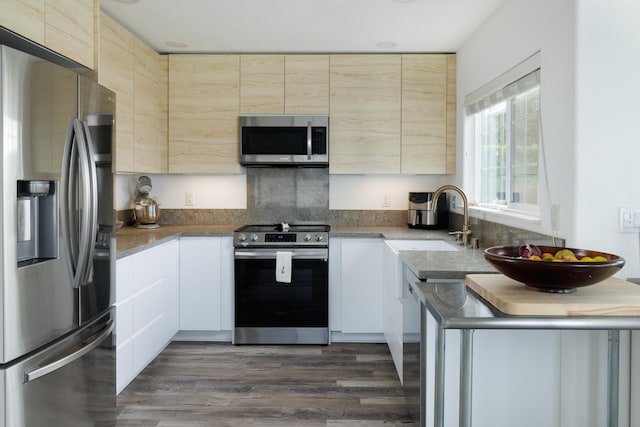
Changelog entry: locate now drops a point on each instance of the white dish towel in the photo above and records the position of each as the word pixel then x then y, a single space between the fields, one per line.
pixel 283 266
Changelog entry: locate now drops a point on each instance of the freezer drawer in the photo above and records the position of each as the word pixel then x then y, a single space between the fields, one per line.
pixel 71 383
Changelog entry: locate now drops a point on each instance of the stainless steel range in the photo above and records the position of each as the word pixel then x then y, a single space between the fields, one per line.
pixel 281 284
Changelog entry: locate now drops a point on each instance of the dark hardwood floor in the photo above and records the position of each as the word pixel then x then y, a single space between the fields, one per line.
pixel 218 384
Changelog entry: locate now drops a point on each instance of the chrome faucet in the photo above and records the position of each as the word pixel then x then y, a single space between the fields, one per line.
pixel 465 234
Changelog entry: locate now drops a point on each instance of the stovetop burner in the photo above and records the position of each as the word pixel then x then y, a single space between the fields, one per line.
pixel 282 234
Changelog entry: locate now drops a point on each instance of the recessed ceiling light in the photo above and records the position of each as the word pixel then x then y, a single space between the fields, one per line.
pixel 127 1
pixel 176 44
pixel 386 44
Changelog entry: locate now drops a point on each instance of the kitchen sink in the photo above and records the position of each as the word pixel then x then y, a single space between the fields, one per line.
pixel 420 245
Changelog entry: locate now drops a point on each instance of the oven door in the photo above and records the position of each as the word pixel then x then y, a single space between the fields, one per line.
pixel 268 311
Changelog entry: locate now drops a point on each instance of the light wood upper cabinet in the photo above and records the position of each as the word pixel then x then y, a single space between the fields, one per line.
pixel 262 84
pixel 393 114
pixel 429 114
pixel 451 114
pixel 115 71
pixel 424 114
pixel 204 104
pixel 365 104
pixel 284 84
pixel 150 95
pixel 64 26
pixel 306 84
pixel 25 17
pixel 69 29
pixel 138 76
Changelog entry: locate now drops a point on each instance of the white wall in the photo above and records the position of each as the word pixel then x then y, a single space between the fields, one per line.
pixel 518 29
pixel 588 90
pixel 369 191
pixel 607 125
pixel 209 191
pixel 230 191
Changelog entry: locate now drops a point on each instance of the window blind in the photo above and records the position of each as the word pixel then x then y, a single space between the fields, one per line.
pixel 517 80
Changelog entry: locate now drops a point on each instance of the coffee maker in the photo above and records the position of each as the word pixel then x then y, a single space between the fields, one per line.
pixel 420 215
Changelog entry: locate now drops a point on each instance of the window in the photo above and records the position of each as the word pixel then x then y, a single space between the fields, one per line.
pixel 506 134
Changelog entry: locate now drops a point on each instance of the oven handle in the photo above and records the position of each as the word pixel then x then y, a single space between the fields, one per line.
pixel 321 254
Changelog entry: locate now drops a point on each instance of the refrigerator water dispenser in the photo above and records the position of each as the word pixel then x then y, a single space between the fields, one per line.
pixel 37 222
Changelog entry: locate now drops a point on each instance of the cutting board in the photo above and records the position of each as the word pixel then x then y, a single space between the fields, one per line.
pixel 611 297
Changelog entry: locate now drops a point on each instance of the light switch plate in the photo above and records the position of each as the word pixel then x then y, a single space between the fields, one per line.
pixel 629 219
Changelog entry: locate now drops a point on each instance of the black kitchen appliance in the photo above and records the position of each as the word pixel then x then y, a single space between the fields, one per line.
pixel 420 215
pixel 281 284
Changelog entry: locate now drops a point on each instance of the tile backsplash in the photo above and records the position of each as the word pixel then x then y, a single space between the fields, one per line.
pixel 294 195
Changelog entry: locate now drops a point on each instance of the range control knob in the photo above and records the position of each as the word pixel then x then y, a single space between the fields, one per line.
pixel 254 237
pixel 307 237
pixel 242 237
pixel 318 237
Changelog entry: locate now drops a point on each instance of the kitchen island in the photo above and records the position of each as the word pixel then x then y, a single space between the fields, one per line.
pixel 455 307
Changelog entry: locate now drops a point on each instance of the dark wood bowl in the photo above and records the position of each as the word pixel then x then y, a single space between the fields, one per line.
pixel 546 276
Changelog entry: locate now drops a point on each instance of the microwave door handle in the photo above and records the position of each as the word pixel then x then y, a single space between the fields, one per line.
pixel 309 140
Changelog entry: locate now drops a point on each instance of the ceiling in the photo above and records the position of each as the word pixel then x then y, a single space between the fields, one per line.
pixel 301 26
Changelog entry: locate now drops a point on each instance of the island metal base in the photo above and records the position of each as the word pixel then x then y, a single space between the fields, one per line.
pixel 443 302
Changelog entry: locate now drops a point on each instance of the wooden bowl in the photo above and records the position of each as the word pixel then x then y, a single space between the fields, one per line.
pixel 546 276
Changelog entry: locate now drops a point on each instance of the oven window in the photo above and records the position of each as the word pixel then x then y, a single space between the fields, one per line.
pixel 261 301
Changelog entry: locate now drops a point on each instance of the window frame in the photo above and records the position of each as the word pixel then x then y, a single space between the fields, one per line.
pixel 509 135
pixel 515 81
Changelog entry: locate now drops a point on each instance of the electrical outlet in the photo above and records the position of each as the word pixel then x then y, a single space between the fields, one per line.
pixel 188 198
pixel 385 201
pixel 629 219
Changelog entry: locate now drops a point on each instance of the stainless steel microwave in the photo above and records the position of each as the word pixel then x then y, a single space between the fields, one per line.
pixel 283 140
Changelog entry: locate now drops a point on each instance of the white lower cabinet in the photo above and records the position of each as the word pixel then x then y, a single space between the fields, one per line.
pixel 206 285
pixel 392 306
pixel 356 289
pixel 401 312
pixel 147 286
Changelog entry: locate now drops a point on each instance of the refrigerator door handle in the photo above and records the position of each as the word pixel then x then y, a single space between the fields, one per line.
pixel 38 372
pixel 79 237
pixel 86 224
pixel 68 195
pixel 91 204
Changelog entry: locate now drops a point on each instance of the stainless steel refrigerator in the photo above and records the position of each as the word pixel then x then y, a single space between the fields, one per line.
pixel 57 357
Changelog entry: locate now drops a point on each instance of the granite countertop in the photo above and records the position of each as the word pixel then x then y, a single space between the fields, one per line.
pixel 131 240
pixel 425 264
pixel 390 233
pixel 447 265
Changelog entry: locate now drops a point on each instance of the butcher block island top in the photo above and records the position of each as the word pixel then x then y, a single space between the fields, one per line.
pixel 611 297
